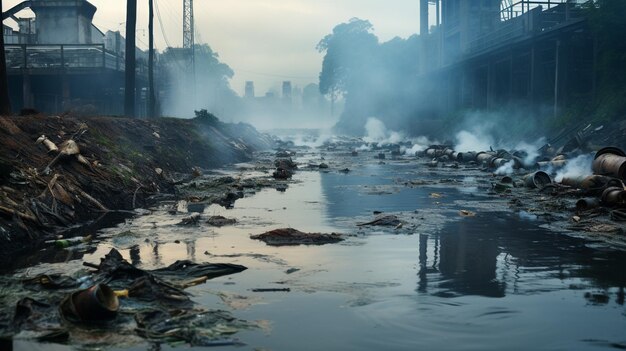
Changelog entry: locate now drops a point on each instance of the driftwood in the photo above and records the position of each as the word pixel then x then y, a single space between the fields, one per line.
pixel 49 144
pixel 12 212
pixel 92 200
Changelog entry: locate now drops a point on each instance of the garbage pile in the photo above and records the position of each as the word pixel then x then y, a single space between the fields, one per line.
pixel 598 186
pixel 115 297
pixel 285 166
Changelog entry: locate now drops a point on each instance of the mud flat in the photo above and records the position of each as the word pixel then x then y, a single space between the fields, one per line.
pixel 60 172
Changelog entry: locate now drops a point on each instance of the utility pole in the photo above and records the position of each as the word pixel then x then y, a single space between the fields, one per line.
pixel 131 26
pixel 5 103
pixel 189 42
pixel 151 94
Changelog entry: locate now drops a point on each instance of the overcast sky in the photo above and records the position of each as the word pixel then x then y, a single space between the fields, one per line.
pixel 266 41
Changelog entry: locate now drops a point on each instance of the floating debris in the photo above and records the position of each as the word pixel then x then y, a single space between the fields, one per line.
pixel 290 236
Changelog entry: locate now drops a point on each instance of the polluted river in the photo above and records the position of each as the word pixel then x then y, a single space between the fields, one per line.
pixel 429 258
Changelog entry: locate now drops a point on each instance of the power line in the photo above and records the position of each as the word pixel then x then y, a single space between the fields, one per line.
pixel 156 6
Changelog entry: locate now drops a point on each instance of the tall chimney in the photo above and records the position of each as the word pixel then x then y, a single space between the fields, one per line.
pixel 423 17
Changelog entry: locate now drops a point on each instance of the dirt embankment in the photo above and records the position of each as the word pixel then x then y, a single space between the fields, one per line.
pixel 109 163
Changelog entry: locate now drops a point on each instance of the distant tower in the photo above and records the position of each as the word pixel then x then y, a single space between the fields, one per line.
pixel 189 42
pixel 249 90
pixel 188 32
pixel 188 25
pixel 287 90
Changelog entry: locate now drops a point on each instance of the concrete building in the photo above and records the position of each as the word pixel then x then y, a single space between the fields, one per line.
pixel 249 90
pixel 489 53
pixel 59 60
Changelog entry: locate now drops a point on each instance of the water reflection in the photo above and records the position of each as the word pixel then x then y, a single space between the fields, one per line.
pixel 498 254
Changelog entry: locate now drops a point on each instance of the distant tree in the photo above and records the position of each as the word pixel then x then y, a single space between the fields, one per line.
pixel 212 77
pixel 131 24
pixel 5 103
pixel 346 50
pixel 375 79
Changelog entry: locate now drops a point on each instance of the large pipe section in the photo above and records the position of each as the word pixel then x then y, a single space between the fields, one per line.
pixel 610 161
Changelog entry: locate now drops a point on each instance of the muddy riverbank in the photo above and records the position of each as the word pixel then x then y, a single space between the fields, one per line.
pixel 431 258
pixel 60 172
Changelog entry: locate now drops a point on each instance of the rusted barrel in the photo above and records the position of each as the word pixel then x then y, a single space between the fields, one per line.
pixel 587 203
pixel 614 196
pixel 498 162
pixel 537 180
pixel 95 304
pixel 592 182
pixel 610 161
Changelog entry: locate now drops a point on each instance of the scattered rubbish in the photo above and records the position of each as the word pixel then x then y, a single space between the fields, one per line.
pixel 292 270
pixel 614 196
pixel 594 184
pixel 618 215
pixel 587 203
pixel 63 243
pixel 323 166
pixel 435 196
pixel 384 221
pixel 290 236
pixel 220 221
pixel 610 161
pixel 282 174
pixel 272 290
pixel 466 213
pixel 539 180
pixel 194 219
pixel 95 305
pixel 48 143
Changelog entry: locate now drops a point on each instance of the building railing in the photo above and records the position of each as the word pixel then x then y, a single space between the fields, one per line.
pixel 65 56
pixel 515 8
pixel 535 19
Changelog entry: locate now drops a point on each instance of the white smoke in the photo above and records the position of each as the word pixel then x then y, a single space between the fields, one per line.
pixel 378 133
pixel 580 166
pixel 473 141
pixel 419 144
pixel 505 169
pixel 531 150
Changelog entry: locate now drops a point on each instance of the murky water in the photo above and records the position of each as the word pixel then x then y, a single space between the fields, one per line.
pixel 490 282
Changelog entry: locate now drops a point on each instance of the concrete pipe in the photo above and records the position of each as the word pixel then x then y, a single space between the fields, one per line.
pixel 484 158
pixel 610 161
pixel 466 156
pixel 539 180
pixel 498 162
pixel 448 152
pixel 553 164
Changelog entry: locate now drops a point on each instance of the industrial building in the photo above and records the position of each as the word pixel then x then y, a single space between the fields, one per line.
pixel 59 60
pixel 492 53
